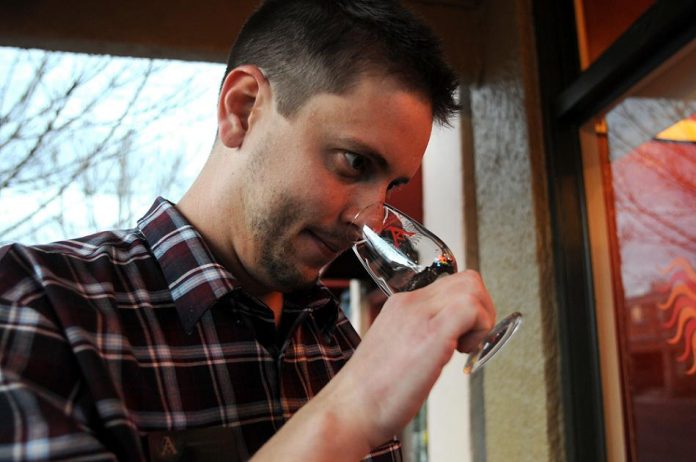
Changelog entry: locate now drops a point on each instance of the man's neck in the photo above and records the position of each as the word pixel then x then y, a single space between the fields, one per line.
pixel 274 300
pixel 197 206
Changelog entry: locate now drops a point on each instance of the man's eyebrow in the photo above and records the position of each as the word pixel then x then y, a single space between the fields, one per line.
pixel 364 149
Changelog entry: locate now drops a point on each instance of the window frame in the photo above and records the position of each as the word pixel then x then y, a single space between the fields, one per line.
pixel 569 98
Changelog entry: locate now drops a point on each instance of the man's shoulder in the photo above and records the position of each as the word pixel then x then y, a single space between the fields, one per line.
pixel 68 259
pixel 111 244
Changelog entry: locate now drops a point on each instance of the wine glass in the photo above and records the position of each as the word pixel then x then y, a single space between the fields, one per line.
pixel 402 255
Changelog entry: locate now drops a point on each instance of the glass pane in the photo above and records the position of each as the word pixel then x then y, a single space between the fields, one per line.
pixel 87 142
pixel 650 176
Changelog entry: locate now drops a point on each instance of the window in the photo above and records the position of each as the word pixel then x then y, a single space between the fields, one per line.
pixel 640 171
pixel 87 142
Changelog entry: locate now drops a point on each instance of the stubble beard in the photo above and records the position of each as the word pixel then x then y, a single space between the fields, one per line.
pixel 277 260
pixel 271 227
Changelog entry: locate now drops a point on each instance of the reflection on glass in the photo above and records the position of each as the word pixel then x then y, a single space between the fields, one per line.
pixel 652 177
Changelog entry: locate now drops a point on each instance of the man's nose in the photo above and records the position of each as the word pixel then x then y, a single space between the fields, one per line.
pixel 371 215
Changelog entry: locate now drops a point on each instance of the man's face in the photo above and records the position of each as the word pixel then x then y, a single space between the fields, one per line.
pixel 306 177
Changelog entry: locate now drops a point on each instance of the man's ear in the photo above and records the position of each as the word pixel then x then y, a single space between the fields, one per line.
pixel 241 93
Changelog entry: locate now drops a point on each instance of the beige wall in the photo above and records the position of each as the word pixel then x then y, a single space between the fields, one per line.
pixel 521 395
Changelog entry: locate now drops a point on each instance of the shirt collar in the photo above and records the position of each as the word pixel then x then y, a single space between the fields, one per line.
pixel 319 301
pixel 195 279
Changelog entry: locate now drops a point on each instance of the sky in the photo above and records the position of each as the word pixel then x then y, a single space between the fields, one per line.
pixel 183 132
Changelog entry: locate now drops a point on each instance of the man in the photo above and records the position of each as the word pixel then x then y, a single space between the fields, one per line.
pixel 204 327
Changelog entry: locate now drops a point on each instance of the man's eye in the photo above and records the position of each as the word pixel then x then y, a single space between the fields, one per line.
pixel 352 166
pixel 355 161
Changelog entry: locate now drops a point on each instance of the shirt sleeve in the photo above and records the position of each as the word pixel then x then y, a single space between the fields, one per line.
pixel 39 392
pixel 41 416
pixel 349 339
pixel 388 452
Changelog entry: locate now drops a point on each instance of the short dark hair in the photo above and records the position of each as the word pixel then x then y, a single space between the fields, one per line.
pixel 306 47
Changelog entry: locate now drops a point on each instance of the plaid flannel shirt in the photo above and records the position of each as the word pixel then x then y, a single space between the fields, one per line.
pixel 110 339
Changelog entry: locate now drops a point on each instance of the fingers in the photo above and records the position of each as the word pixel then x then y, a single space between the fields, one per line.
pixel 465 312
pixel 403 353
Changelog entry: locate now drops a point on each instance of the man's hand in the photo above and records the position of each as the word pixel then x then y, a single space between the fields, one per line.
pixel 391 373
pixel 410 342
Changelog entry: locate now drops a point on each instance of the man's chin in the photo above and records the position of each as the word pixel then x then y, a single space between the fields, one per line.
pixel 291 281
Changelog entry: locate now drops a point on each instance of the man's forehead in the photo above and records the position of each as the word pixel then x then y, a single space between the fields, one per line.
pixel 378 118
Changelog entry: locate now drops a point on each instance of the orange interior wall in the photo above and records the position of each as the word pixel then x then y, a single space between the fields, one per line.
pixel 601 22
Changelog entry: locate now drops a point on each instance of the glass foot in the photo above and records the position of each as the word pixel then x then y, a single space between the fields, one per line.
pixel 494 341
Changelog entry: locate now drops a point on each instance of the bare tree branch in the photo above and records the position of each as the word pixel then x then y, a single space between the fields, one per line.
pixel 82 128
